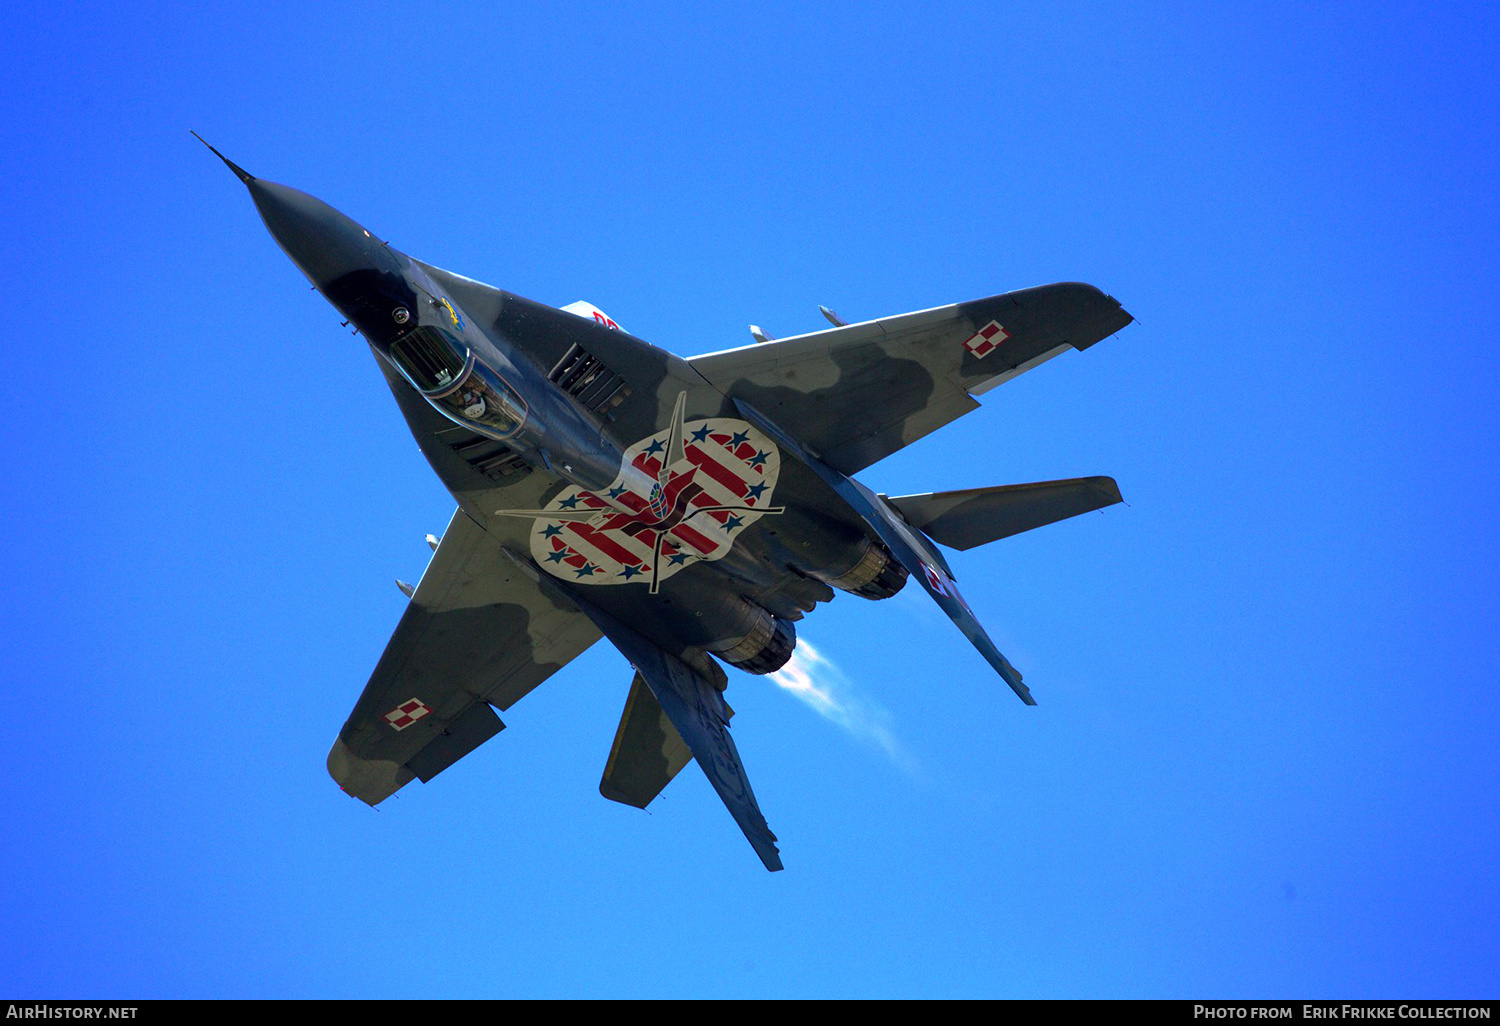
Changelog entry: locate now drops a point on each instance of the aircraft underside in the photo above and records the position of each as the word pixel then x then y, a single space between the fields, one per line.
pixel 688 510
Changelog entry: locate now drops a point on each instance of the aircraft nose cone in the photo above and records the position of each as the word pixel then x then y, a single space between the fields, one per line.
pixel 326 244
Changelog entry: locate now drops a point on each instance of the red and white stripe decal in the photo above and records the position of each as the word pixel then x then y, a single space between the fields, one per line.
pixel 729 463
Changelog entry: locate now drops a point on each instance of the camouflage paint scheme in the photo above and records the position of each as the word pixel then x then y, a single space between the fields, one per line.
pixel 593 406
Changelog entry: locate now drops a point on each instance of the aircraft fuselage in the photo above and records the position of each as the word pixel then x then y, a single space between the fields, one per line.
pixel 629 517
pixel 681 509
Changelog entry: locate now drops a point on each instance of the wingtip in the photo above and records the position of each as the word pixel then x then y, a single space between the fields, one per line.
pixel 240 173
pixel 1107 487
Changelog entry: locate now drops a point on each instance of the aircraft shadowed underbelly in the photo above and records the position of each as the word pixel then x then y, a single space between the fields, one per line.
pixel 680 508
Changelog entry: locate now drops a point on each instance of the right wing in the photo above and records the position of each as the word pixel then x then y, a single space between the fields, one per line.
pixel 478 633
pixel 855 394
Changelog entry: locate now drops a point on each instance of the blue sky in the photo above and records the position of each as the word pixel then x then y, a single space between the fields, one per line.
pixel 1263 764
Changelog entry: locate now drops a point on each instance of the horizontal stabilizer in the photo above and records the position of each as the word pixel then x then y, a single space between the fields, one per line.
pixel 691 700
pixel 648 752
pixel 911 549
pixel 974 516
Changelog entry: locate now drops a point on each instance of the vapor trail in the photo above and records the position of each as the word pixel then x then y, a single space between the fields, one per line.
pixel 816 680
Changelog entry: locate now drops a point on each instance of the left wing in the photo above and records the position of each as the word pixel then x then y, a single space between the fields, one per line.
pixel 478 633
pixel 857 393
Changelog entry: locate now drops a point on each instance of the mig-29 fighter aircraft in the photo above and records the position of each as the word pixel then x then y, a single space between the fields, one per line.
pixel 691 511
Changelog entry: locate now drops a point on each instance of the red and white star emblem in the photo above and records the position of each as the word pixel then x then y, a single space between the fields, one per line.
pixel 695 511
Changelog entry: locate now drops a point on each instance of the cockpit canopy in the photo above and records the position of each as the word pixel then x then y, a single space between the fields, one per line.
pixel 428 359
pixel 461 387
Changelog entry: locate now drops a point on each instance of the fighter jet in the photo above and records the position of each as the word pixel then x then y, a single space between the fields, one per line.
pixel 689 510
